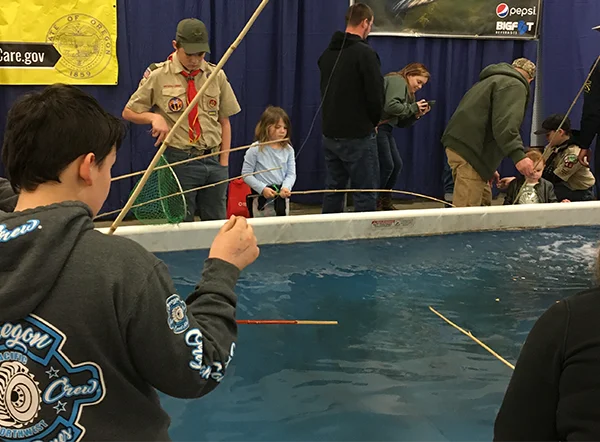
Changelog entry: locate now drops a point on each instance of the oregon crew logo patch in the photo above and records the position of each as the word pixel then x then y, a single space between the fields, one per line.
pixel 175 104
pixel 176 314
pixel 42 393
pixel 84 43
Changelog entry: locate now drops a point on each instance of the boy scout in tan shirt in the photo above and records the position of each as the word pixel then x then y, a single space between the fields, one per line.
pixel 168 87
pixel 571 179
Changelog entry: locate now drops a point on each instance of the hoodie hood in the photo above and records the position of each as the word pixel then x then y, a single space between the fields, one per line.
pixel 503 69
pixel 35 246
pixel 337 40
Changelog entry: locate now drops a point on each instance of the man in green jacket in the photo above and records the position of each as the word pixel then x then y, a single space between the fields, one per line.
pixel 485 128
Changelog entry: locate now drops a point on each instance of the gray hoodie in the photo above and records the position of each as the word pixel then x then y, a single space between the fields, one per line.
pixel 90 326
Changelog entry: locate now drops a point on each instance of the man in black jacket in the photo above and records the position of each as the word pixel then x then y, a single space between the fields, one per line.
pixel 353 95
pixel 590 119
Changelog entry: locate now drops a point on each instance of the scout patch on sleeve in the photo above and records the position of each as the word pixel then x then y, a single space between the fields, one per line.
pixel 212 103
pixel 176 314
pixel 175 104
pixel 570 160
pixel 149 70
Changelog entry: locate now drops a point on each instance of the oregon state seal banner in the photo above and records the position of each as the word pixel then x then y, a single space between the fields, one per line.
pixel 508 19
pixel 58 41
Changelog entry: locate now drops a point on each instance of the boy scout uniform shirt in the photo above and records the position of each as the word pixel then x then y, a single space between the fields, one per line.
pixel 165 88
pixel 567 167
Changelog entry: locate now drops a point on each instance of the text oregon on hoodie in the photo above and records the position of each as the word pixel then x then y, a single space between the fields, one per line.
pixel 91 325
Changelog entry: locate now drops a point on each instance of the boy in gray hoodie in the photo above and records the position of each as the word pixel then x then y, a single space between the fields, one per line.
pixel 91 325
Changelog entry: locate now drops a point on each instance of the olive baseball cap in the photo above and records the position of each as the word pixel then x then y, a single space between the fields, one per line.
pixel 192 35
pixel 527 65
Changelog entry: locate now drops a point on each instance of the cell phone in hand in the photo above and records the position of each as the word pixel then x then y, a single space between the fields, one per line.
pixel 431 103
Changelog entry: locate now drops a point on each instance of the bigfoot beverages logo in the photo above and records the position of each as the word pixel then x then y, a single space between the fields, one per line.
pixel 42 393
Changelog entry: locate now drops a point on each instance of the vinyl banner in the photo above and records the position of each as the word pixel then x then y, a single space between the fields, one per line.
pixel 58 41
pixel 515 19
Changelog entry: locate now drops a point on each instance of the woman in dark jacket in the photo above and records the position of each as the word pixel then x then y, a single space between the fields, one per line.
pixel 400 110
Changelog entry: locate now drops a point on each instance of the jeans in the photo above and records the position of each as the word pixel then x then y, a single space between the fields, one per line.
pixel 390 163
pixel 564 193
pixel 211 202
pixel 447 179
pixel 353 159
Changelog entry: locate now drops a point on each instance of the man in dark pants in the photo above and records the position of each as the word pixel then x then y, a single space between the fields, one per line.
pixel 590 120
pixel 353 97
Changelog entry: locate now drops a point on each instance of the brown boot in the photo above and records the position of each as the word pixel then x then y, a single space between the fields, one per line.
pixel 386 202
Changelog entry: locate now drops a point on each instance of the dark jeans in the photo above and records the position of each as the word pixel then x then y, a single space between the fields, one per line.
pixel 390 163
pixel 353 159
pixel 447 179
pixel 564 193
pixel 211 202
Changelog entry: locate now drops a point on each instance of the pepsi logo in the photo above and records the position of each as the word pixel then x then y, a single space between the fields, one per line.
pixel 502 10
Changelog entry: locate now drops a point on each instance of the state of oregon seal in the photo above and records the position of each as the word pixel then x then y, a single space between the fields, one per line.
pixel 84 43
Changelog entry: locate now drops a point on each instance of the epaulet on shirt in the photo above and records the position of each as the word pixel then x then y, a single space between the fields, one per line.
pixel 152 67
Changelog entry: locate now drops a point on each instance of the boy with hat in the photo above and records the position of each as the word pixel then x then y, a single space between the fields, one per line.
pixel 170 86
pixel 571 179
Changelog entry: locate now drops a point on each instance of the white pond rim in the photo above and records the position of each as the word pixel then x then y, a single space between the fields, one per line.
pixel 367 225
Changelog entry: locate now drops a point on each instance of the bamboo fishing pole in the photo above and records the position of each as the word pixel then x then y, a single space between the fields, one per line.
pixel 207 186
pixel 404 192
pixel 184 115
pixel 470 335
pixel 202 157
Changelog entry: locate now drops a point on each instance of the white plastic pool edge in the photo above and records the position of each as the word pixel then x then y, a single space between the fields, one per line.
pixel 350 226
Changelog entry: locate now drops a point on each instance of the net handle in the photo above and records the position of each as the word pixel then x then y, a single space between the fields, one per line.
pixel 184 115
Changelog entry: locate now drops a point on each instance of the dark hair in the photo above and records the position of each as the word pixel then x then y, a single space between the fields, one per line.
pixel 48 130
pixel 357 13
pixel 271 117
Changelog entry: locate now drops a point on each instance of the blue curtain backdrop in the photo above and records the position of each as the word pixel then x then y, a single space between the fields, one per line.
pixel 276 64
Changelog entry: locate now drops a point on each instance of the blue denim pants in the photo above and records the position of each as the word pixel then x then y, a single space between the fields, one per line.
pixel 351 160
pixel 209 204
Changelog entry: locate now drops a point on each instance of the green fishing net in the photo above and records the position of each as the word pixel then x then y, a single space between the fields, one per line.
pixel 160 200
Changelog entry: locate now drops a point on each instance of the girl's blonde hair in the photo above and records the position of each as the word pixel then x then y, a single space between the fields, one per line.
pixel 411 70
pixel 271 117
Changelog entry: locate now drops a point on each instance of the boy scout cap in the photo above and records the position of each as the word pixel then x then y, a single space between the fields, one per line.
pixel 553 123
pixel 527 65
pixel 193 36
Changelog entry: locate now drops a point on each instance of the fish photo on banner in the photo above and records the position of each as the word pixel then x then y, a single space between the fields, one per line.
pixel 518 19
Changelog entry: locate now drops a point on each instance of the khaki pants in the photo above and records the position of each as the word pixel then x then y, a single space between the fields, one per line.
pixel 470 190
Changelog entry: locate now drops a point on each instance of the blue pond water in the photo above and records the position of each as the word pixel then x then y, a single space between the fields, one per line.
pixel 391 369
